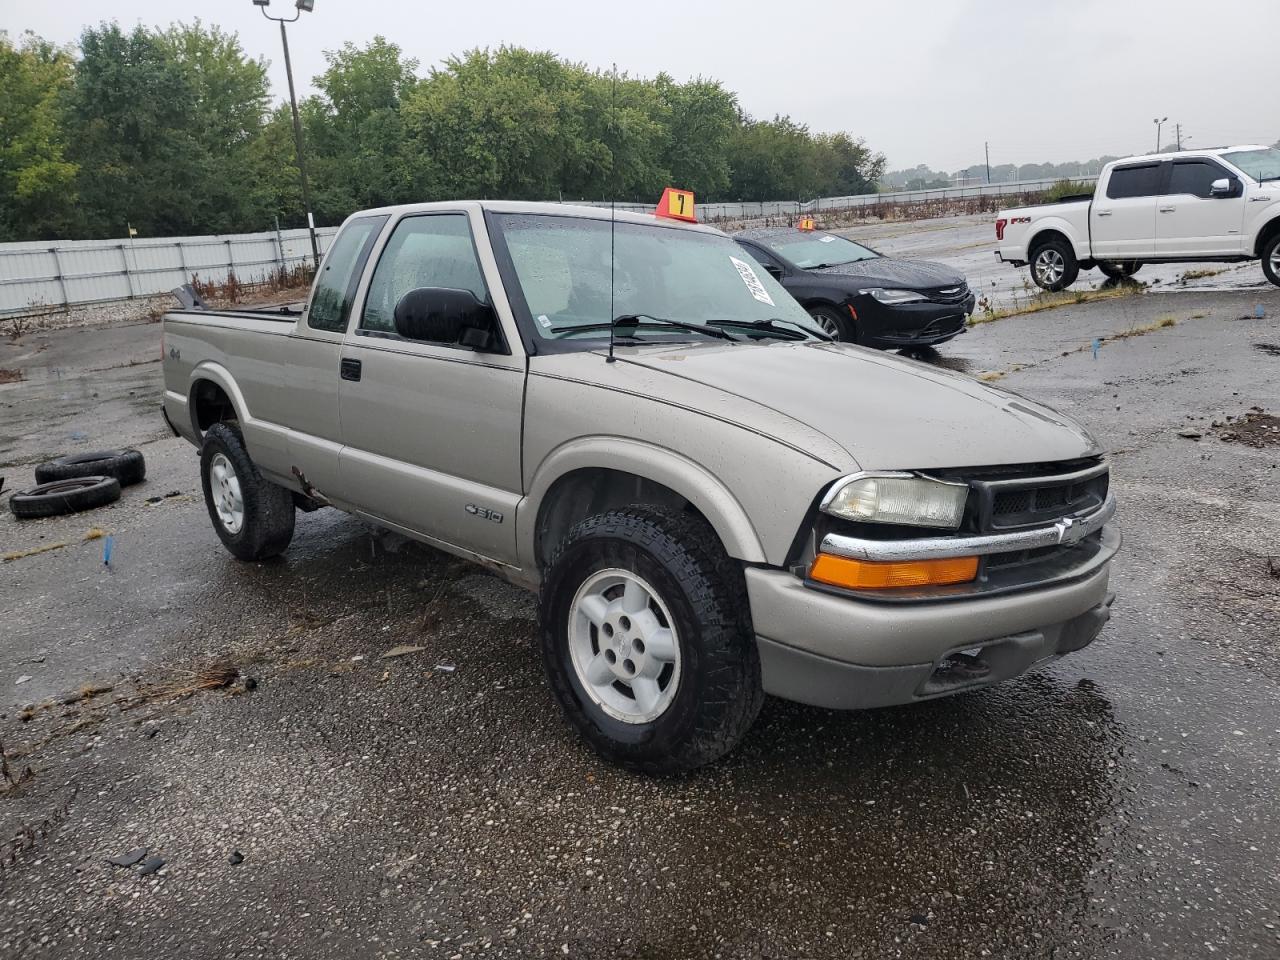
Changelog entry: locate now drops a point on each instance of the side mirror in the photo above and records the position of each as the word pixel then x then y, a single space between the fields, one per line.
pixel 1225 187
pixel 446 315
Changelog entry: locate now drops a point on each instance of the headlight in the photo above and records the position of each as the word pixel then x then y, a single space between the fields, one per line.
pixel 895 296
pixel 898 498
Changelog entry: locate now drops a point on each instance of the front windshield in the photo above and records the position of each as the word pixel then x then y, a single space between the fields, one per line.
pixel 562 263
pixel 1259 164
pixel 808 250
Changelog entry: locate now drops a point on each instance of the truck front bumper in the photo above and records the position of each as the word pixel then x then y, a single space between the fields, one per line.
pixel 842 653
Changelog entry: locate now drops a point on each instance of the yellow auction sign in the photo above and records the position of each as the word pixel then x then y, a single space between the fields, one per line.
pixel 677 205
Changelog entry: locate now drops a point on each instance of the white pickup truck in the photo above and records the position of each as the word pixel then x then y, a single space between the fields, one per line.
pixel 1214 205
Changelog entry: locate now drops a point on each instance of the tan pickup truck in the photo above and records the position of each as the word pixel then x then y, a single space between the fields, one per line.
pixel 718 504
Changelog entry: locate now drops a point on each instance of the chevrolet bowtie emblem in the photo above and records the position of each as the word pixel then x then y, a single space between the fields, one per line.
pixel 1070 530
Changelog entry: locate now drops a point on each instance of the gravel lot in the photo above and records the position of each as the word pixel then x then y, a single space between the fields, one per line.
pixel 1121 803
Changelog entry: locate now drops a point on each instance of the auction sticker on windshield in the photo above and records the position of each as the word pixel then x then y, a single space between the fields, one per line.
pixel 754 286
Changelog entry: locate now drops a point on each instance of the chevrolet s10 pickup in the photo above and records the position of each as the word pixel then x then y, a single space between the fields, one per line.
pixel 624 413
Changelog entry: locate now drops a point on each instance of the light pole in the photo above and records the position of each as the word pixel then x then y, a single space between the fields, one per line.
pixel 300 7
pixel 1158 122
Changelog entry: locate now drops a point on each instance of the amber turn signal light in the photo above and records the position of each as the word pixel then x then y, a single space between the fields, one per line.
pixel 868 575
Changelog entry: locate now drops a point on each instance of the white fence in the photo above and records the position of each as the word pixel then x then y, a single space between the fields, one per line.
pixel 38 277
pixel 42 276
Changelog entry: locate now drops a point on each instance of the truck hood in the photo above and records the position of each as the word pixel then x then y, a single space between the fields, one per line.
pixel 887 412
pixel 892 272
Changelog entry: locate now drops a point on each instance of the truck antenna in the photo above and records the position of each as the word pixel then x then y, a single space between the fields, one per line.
pixel 613 197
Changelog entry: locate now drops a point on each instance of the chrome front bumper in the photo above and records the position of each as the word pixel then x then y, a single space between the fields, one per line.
pixel 1065 532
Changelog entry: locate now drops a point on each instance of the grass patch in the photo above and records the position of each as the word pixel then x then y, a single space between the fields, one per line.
pixel 1051 301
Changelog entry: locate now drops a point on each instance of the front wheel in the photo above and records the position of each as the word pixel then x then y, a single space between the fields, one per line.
pixel 1054 266
pixel 1271 259
pixel 647 641
pixel 252 517
pixel 835 323
pixel 1119 269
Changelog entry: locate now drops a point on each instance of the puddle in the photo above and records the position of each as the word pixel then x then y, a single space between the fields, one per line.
pixel 935 359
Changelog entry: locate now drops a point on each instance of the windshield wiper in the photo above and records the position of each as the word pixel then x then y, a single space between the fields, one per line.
pixel 771 326
pixel 635 319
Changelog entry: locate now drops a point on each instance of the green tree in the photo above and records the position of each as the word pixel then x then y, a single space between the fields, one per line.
pixel 356 148
pixel 701 119
pixel 37 181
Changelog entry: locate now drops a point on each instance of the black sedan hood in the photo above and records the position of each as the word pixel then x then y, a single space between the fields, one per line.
pixel 898 274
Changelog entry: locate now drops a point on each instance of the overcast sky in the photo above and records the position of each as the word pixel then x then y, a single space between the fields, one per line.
pixel 924 81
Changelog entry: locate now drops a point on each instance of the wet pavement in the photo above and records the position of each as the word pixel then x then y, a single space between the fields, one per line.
pixel 1120 803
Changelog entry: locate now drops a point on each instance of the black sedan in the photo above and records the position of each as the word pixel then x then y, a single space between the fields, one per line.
pixel 859 296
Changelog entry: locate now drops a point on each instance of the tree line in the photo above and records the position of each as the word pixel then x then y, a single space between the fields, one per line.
pixel 174 131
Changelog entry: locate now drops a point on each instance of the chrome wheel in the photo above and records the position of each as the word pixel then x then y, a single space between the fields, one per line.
pixel 1275 259
pixel 224 488
pixel 624 646
pixel 1049 266
pixel 827 323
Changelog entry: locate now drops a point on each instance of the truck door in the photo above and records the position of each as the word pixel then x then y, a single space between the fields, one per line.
pixel 431 431
pixel 1122 222
pixel 1191 219
pixel 305 372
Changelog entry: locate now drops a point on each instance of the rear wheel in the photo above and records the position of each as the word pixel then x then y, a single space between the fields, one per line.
pixel 252 517
pixel 835 323
pixel 1054 266
pixel 1271 259
pixel 1119 269
pixel 646 639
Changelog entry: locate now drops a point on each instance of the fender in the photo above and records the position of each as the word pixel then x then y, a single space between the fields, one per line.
pixel 1260 232
pixel 215 372
pixel 268 443
pixel 1059 225
pixel 689 479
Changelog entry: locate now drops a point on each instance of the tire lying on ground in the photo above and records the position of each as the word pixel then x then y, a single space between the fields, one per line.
pixel 64 496
pixel 127 466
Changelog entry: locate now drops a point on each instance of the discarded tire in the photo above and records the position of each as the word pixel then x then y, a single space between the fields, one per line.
pixel 127 466
pixel 64 496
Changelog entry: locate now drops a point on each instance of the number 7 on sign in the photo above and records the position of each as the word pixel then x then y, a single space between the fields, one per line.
pixel 676 205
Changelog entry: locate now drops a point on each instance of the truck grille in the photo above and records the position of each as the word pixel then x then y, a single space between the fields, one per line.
pixel 1008 503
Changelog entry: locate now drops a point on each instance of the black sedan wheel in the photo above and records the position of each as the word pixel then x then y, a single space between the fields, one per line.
pixel 834 322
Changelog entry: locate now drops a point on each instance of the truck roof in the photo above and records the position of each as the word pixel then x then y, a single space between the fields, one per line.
pixel 527 206
pixel 1193 152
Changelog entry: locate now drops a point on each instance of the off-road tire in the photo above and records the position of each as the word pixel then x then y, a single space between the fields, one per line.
pixel 1070 265
pixel 127 466
pixel 267 527
pixel 57 497
pixel 831 319
pixel 1271 258
pixel 1119 269
pixel 719 693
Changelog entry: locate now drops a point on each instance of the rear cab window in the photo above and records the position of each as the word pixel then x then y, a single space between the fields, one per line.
pixel 335 288
pixel 1139 180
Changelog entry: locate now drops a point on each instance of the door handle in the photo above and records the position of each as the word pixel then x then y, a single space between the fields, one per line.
pixel 1168 209
pixel 1104 213
pixel 349 369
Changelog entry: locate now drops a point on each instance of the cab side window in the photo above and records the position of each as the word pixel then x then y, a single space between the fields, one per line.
pixel 1195 177
pixel 432 250
pixel 1136 181
pixel 340 275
